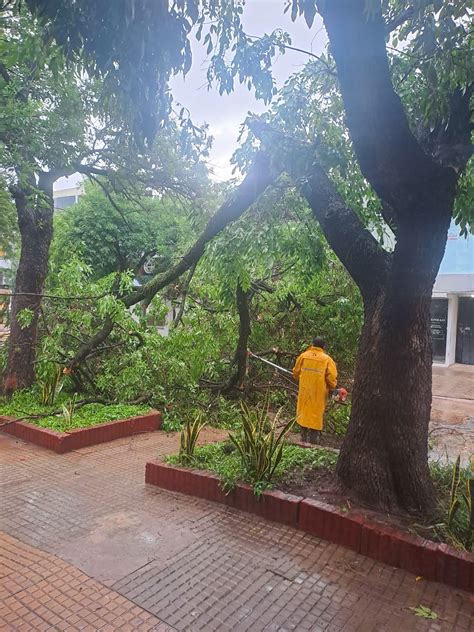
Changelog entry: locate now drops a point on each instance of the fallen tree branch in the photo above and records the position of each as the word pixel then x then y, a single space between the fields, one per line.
pixel 262 175
pixel 207 308
pixel 184 294
pixel 85 349
pixel 61 298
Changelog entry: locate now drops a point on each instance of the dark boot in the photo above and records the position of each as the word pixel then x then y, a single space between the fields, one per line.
pixel 314 437
pixel 304 434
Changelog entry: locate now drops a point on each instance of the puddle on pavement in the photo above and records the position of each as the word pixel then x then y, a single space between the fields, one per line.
pixel 121 542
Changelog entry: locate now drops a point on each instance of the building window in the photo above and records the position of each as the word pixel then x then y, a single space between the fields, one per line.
pixel 465 331
pixel 4 280
pixel 64 202
pixel 439 328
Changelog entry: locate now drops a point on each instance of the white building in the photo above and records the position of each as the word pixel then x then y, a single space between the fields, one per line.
pixel 452 307
pixel 5 273
pixel 67 191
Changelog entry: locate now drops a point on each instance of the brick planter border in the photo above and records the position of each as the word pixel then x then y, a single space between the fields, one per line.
pixel 432 561
pixel 62 442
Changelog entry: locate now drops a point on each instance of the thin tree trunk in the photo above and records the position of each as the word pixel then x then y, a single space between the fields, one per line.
pixel 184 294
pixel 240 357
pixel 35 220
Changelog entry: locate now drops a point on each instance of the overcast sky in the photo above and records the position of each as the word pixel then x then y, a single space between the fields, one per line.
pixel 224 114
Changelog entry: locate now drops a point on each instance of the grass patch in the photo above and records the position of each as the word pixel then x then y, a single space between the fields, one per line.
pixel 224 460
pixel 26 403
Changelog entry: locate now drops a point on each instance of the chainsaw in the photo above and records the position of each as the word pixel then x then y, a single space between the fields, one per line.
pixel 339 395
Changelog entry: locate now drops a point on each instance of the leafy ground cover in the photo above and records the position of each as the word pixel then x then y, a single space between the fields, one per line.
pixel 64 415
pixel 224 460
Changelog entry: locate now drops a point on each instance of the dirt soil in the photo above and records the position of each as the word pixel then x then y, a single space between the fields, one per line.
pixel 320 484
pixel 327 440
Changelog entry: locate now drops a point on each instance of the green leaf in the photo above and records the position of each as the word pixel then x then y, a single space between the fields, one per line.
pixel 424 612
pixel 25 317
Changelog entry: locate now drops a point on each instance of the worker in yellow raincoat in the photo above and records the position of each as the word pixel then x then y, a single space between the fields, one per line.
pixel 316 373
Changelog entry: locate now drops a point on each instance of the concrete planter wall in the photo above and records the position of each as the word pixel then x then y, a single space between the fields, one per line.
pixel 62 442
pixel 430 560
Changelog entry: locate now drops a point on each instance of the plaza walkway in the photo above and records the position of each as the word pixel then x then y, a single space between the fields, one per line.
pixel 86 545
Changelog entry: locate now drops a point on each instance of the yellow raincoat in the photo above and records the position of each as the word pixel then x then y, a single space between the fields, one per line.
pixel 316 373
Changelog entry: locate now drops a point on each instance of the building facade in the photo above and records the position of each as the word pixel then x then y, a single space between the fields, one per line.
pixel 5 283
pixel 67 191
pixel 452 306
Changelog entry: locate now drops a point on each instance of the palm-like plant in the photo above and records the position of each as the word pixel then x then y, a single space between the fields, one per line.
pixel 459 498
pixel 260 445
pixel 51 386
pixel 189 436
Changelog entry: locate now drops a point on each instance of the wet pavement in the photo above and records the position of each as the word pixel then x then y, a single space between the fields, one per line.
pixel 453 393
pixel 39 591
pixel 448 441
pixel 121 555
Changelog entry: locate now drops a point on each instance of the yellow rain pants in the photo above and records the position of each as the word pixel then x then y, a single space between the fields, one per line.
pixel 316 373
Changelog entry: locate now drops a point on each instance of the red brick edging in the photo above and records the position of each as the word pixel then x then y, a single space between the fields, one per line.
pixel 425 558
pixel 62 442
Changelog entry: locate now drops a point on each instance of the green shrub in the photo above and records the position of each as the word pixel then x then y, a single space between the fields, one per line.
pixel 461 501
pixel 337 418
pixel 456 491
pixel 51 386
pixel 259 444
pixel 68 411
pixel 189 436
pixel 225 460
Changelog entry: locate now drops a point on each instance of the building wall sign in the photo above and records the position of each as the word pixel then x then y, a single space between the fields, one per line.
pixel 439 328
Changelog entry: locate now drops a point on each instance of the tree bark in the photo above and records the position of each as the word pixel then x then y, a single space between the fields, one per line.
pixel 240 357
pixel 384 457
pixel 35 219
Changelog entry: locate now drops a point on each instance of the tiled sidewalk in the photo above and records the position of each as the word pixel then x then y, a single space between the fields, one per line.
pixel 38 591
pixel 192 564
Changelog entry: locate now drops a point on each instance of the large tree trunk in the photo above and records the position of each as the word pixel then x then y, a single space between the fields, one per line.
pixel 384 458
pixel 35 219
